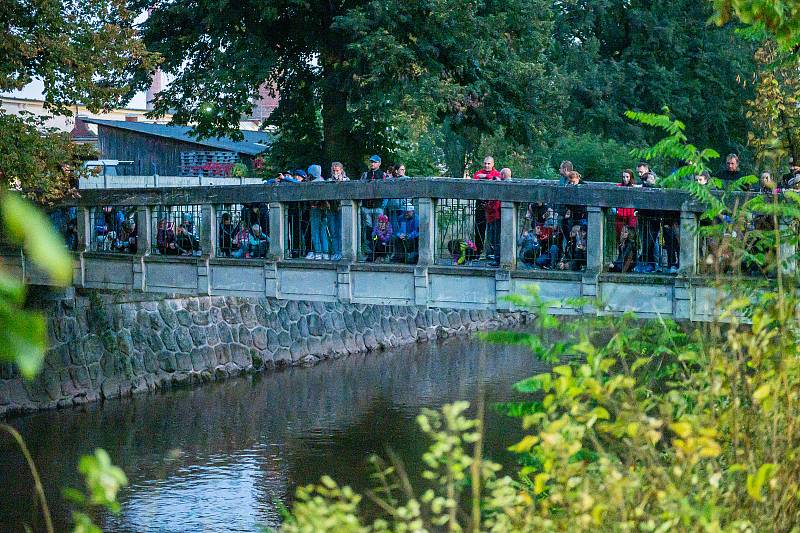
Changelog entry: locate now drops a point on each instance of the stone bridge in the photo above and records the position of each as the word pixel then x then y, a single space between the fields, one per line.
pixel 430 283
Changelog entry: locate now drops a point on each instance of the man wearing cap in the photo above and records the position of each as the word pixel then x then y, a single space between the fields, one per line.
pixel 371 208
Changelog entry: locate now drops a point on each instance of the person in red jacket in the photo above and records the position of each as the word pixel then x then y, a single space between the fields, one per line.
pixel 488 172
pixel 626 216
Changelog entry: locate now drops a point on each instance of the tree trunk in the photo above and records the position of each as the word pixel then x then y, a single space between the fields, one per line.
pixel 338 143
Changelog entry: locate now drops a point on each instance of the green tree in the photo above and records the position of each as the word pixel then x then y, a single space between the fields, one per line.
pixel 773 111
pixel 618 55
pixel 480 66
pixel 86 52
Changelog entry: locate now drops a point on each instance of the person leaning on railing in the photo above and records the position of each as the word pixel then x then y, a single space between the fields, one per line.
pixel 333 220
pixel 625 216
pixel 318 220
pixel 488 172
pixel 371 208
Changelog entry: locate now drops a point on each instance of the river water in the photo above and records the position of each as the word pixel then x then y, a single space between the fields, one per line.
pixel 219 457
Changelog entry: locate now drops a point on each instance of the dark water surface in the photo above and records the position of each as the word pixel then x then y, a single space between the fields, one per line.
pixel 218 457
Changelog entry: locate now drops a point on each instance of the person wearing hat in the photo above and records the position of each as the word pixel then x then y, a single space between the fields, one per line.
pixel 406 246
pixel 371 208
pixel 374 172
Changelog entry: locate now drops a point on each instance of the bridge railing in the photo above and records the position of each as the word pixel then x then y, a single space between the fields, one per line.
pixel 531 224
pixel 470 243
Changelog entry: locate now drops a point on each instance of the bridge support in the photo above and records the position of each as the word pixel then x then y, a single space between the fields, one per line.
pixel 349 210
pixel 508 255
pixel 427 229
pixel 277 244
pixel 595 238
pixel 687 265
pixel 143 246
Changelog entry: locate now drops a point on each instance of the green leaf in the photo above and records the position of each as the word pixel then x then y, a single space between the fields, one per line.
pixel 25 224
pixel 23 338
pixel 756 482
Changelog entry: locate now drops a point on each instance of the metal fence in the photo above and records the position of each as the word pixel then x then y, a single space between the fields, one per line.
pixel 176 230
pixel 242 230
pixel 389 231
pixel 65 222
pixel 113 229
pixel 465 235
pixel 642 241
pixel 314 230
pixel 551 238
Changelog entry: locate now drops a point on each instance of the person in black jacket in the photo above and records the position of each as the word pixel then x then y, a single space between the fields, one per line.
pixel 730 172
pixel 626 251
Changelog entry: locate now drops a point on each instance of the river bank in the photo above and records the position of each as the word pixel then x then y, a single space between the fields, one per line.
pixel 107 345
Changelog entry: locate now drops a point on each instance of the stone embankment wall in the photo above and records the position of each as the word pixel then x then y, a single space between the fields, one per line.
pixel 103 346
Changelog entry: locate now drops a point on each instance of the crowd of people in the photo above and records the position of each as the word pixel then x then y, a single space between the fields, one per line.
pixel 552 237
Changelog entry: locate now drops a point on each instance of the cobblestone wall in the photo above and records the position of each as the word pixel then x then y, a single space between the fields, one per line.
pixel 105 347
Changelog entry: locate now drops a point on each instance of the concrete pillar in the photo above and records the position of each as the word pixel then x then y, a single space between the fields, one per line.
pixel 508 235
pixel 595 240
pixel 277 223
pixel 144 230
pixel 271 280
pixel 208 230
pixel 689 243
pixel 426 211
pixel 344 287
pixel 595 245
pixel 349 210
pixel 143 247
pixel 427 229
pixel 84 229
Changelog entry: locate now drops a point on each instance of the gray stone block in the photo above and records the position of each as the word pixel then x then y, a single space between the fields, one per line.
pixel 273 342
pixel 212 335
pixel 183 339
pixel 282 356
pixel 260 340
pixel 201 318
pixel 241 356
pixel 224 331
pixel 183 362
pixel 198 334
pixel 183 317
pixel 231 315
pixel 166 312
pixel 299 349
pixel 223 353
pixel 248 314
pixel 245 337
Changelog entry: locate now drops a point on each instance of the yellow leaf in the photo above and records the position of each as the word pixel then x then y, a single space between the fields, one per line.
pixel 528 442
pixel 682 429
pixel 563 370
pixel 761 392
pixel 539 483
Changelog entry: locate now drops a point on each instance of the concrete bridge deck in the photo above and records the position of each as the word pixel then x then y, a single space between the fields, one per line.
pixel 685 295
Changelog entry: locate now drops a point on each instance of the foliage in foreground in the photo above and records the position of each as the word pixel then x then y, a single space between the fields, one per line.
pixel 644 426
pixel 649 428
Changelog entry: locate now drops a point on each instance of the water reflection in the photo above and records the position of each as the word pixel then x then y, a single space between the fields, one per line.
pixel 217 458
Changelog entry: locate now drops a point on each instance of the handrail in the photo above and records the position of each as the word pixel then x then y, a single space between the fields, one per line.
pixel 545 191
